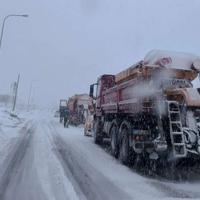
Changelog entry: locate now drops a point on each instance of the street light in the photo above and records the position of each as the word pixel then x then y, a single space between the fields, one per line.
pixel 4 21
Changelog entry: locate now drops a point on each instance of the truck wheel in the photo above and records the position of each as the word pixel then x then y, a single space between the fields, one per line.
pixel 124 146
pixel 85 132
pixel 97 133
pixel 114 142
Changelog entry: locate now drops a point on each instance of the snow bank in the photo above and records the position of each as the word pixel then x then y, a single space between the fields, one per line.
pixel 9 131
pixel 8 120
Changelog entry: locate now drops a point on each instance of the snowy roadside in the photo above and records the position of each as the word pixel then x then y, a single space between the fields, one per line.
pixel 9 131
pixel 7 121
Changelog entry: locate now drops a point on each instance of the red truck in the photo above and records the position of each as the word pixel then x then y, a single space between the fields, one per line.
pixel 150 108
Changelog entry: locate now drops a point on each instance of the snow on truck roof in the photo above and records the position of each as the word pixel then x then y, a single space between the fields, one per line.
pixel 174 60
pixel 166 59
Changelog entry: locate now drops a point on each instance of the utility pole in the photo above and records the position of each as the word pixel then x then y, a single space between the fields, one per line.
pixel 16 92
pixel 31 93
pixel 13 89
pixel 29 96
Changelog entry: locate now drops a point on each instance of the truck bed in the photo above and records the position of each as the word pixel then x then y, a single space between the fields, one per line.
pixel 125 98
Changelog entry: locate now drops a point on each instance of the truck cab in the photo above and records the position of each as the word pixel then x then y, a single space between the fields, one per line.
pixel 104 82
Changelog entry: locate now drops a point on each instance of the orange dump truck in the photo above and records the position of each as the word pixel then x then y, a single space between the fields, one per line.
pixel 78 106
pixel 151 108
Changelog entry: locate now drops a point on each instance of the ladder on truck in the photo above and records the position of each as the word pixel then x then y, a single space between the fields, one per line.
pixel 176 130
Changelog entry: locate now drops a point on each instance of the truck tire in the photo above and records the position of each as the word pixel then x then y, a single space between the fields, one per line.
pixel 124 146
pixel 114 139
pixel 126 154
pixel 97 133
pixel 85 132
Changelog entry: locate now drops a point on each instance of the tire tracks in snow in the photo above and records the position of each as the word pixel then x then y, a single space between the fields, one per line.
pixel 73 162
pixel 53 180
pixel 14 158
pixel 88 182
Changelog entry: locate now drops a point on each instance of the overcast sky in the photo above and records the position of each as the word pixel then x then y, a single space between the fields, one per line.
pixel 66 44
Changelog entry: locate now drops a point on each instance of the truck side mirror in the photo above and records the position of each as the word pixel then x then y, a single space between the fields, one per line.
pixel 92 91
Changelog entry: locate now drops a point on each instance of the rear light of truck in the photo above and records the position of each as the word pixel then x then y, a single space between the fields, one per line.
pixel 139 138
pixel 141 135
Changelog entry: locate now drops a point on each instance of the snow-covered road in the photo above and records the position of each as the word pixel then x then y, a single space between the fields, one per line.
pixel 44 161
